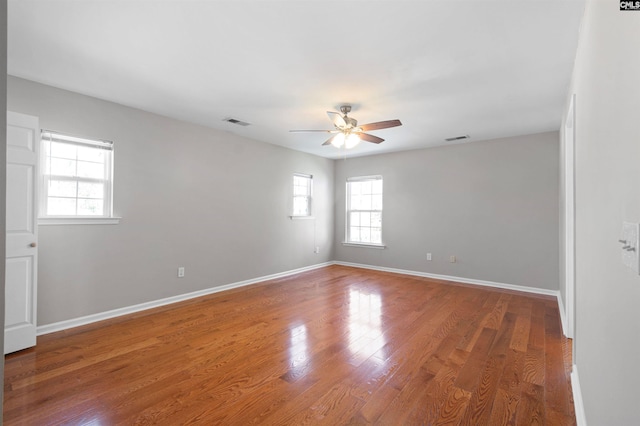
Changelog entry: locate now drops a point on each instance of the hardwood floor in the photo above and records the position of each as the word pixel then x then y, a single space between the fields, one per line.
pixel 334 346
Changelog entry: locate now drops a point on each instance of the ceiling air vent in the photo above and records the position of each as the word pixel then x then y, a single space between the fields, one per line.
pixel 457 138
pixel 236 121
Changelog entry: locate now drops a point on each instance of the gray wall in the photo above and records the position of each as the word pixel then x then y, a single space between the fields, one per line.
pixel 190 196
pixel 492 204
pixel 607 92
pixel 3 172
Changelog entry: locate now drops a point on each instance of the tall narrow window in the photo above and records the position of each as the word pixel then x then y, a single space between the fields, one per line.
pixel 364 210
pixel 302 185
pixel 77 177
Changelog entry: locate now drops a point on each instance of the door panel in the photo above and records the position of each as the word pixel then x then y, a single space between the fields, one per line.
pixel 22 252
pixel 18 309
pixel 20 191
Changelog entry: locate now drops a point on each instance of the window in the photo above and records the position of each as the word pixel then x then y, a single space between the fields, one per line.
pixel 77 177
pixel 364 210
pixel 301 195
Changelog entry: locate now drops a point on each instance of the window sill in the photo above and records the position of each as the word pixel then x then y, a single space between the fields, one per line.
pixel 301 217
pixel 79 220
pixel 365 245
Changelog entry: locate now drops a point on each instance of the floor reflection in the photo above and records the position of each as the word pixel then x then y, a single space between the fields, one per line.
pixel 365 322
pixel 298 348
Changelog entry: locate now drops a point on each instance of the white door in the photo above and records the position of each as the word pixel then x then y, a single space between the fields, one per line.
pixel 23 145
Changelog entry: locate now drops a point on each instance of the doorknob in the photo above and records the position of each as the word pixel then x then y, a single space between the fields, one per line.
pixel 32 245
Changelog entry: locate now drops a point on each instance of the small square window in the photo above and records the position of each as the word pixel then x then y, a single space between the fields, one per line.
pixel 77 177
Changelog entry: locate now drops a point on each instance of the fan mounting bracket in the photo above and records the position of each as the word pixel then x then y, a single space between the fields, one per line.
pixel 345 109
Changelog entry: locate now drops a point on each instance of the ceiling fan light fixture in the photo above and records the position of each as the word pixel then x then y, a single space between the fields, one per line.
pixel 351 141
pixel 338 140
pixel 347 131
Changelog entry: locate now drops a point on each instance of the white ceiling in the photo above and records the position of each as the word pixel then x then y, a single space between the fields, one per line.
pixel 445 68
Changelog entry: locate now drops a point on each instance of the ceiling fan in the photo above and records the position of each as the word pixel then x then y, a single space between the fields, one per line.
pixel 348 133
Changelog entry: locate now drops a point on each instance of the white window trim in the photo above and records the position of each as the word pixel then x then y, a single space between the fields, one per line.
pixel 346 242
pixel 310 197
pixel 77 220
pixel 365 245
pixel 108 219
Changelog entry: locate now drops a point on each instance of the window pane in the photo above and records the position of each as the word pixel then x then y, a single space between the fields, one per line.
pixel 300 206
pixel 90 170
pixel 62 167
pixel 61 206
pixel 376 236
pixel 355 202
pixel 95 155
pixel 376 186
pixel 62 188
pixel 365 235
pixel 63 150
pixel 356 188
pixel 355 219
pixel 90 207
pixel 90 190
pixel 366 187
pixel 376 220
pixel 365 219
pixel 354 233
pixel 300 190
pixel 376 202
pixel 365 203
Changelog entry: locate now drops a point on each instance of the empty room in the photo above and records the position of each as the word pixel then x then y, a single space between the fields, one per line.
pixel 321 212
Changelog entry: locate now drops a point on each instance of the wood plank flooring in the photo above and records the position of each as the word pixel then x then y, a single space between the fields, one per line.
pixel 334 346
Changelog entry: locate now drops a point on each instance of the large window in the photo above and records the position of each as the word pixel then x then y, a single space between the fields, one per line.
pixel 364 210
pixel 77 177
pixel 302 186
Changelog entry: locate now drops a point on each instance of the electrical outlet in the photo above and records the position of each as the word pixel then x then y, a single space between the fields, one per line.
pixel 181 272
pixel 428 256
pixel 317 250
pixel 630 244
pixel 452 259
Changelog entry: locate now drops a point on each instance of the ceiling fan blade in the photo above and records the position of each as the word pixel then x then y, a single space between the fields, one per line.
pixel 369 138
pixel 328 141
pixel 380 125
pixel 336 119
pixel 322 131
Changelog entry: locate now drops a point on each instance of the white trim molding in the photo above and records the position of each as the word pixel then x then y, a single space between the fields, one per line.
pixel 113 220
pixel 363 245
pixel 563 317
pixel 76 322
pixel 504 286
pixel 581 419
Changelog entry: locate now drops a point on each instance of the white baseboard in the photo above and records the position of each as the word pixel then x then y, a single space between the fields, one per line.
pixel 514 287
pixel 76 322
pixel 581 419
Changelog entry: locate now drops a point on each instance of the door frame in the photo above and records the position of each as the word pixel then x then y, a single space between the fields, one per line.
pixel 569 216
